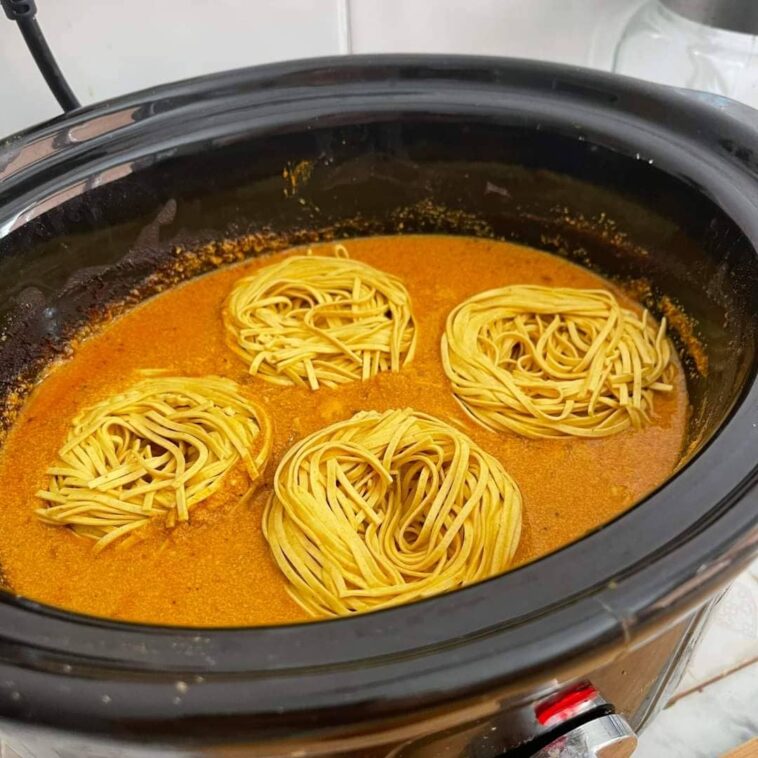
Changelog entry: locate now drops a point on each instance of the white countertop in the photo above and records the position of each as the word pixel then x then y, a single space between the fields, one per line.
pixel 715 708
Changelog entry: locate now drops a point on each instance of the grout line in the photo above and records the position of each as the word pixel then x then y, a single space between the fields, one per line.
pixel 700 687
pixel 344 27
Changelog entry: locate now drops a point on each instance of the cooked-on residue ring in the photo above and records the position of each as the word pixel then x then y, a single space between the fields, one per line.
pixel 553 361
pixel 158 449
pixel 386 508
pixel 313 320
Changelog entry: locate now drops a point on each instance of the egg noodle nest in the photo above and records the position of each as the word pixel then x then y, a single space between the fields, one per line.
pixel 158 449
pixel 551 361
pixel 386 508
pixel 312 320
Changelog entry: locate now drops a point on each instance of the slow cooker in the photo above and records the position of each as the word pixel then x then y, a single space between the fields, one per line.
pixel 565 656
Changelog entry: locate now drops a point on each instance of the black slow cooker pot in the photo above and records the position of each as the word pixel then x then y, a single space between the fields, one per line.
pixel 635 180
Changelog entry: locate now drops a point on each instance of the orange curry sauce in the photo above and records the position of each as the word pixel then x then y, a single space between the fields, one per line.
pixel 216 570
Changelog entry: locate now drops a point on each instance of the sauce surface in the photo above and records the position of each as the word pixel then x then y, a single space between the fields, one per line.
pixel 217 570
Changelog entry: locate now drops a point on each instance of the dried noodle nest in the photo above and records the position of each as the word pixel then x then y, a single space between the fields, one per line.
pixel 386 508
pixel 158 449
pixel 550 362
pixel 312 320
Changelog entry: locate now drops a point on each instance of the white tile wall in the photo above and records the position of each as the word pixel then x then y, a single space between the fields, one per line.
pixel 567 31
pixel 109 47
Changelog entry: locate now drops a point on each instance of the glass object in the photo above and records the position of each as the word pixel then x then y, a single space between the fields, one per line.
pixel 689 45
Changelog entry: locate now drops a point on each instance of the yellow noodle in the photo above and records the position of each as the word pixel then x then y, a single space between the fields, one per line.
pixel 551 361
pixel 158 449
pixel 386 508
pixel 312 320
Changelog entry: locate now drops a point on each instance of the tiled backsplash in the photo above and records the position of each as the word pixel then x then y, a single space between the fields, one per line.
pixel 583 32
pixel 108 48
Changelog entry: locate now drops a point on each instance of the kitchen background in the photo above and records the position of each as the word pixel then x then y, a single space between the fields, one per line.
pixel 109 47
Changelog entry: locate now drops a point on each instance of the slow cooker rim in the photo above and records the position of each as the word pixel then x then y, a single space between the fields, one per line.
pixel 612 618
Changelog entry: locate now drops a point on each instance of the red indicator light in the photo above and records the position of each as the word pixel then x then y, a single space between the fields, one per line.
pixel 564 706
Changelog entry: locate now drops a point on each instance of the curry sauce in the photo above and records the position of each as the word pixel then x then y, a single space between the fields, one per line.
pixel 216 570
